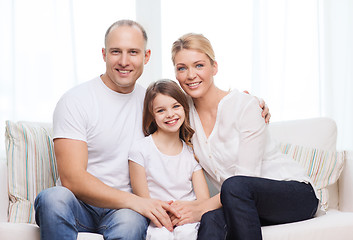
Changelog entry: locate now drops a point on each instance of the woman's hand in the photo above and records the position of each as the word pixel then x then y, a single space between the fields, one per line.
pixel 190 212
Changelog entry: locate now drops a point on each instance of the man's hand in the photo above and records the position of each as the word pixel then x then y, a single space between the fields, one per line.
pixel 265 111
pixel 157 211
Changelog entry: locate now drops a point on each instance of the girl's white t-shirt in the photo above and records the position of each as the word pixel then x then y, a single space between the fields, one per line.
pixel 168 177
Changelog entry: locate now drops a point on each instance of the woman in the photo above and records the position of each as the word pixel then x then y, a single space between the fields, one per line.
pixel 258 185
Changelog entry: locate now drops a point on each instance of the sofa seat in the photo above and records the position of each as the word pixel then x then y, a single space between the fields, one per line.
pixel 25 231
pixel 330 226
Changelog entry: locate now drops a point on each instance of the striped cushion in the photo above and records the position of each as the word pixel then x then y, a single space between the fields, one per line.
pixel 323 167
pixel 31 166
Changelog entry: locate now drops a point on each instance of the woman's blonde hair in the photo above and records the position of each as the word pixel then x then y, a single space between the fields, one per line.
pixel 193 41
pixel 169 88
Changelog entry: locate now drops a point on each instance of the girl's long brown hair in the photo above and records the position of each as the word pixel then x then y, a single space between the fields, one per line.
pixel 169 88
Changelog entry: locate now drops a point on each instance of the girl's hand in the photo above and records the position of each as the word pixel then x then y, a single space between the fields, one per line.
pixel 190 212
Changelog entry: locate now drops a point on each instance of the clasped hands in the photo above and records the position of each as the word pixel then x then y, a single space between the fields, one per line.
pixel 176 213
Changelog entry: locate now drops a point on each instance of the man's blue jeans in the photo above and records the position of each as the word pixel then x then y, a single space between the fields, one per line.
pixel 250 202
pixel 61 215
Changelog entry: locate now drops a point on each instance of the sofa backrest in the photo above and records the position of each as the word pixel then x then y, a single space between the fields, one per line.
pixel 314 132
pixel 318 133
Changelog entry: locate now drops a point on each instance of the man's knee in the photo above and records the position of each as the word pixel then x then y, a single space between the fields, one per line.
pixel 53 197
pixel 127 223
pixel 53 201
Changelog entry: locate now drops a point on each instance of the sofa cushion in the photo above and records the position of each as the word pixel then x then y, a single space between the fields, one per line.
pixel 332 225
pixel 323 167
pixel 31 166
pixel 11 231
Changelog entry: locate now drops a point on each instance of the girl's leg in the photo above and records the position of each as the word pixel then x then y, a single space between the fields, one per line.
pixel 155 233
pixel 186 231
pixel 249 202
pixel 212 226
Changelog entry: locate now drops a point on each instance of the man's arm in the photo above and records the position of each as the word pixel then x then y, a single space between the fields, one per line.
pixel 72 158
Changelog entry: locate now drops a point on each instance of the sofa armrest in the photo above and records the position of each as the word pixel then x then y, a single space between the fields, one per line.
pixel 4 198
pixel 345 185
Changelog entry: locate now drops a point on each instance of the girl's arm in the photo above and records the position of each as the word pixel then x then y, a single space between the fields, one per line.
pixel 191 211
pixel 200 185
pixel 138 180
pixel 140 187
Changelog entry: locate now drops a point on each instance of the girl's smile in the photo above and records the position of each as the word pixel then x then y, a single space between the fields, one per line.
pixel 168 113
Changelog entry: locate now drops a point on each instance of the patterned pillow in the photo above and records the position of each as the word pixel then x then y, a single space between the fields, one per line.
pixel 323 167
pixel 31 166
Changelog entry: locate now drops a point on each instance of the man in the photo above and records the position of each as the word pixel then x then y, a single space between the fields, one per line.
pixel 94 125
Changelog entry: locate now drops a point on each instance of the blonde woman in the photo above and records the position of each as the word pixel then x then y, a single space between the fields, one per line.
pixel 258 185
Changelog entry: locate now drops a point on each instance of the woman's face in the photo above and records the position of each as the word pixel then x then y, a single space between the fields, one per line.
pixel 194 71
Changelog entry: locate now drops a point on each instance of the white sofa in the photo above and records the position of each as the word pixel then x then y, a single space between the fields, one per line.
pixel 320 133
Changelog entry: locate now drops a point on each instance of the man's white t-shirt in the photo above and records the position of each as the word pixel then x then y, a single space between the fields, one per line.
pixel 109 122
pixel 168 177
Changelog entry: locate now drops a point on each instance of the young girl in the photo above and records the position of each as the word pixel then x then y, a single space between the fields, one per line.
pixel 163 165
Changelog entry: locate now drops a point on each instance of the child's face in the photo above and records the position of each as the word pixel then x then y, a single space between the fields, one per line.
pixel 168 113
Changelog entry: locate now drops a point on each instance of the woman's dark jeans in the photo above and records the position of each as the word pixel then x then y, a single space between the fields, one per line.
pixel 251 202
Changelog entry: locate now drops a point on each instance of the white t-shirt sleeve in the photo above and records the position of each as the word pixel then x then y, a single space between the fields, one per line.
pixel 136 155
pixel 69 119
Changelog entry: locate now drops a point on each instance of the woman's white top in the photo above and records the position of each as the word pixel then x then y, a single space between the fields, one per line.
pixel 168 177
pixel 239 143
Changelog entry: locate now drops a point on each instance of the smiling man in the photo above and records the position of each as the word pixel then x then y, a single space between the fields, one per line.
pixel 94 125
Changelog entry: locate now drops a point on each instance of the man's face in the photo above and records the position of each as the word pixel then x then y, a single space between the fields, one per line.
pixel 125 57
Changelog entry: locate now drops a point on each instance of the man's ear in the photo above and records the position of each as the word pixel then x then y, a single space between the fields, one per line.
pixel 104 54
pixel 147 55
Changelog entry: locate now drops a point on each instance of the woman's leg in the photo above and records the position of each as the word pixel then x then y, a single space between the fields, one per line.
pixel 212 226
pixel 249 202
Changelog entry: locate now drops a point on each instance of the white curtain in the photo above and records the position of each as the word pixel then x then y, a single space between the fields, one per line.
pixel 303 64
pixel 46 48
pixel 296 54
pixel 336 66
